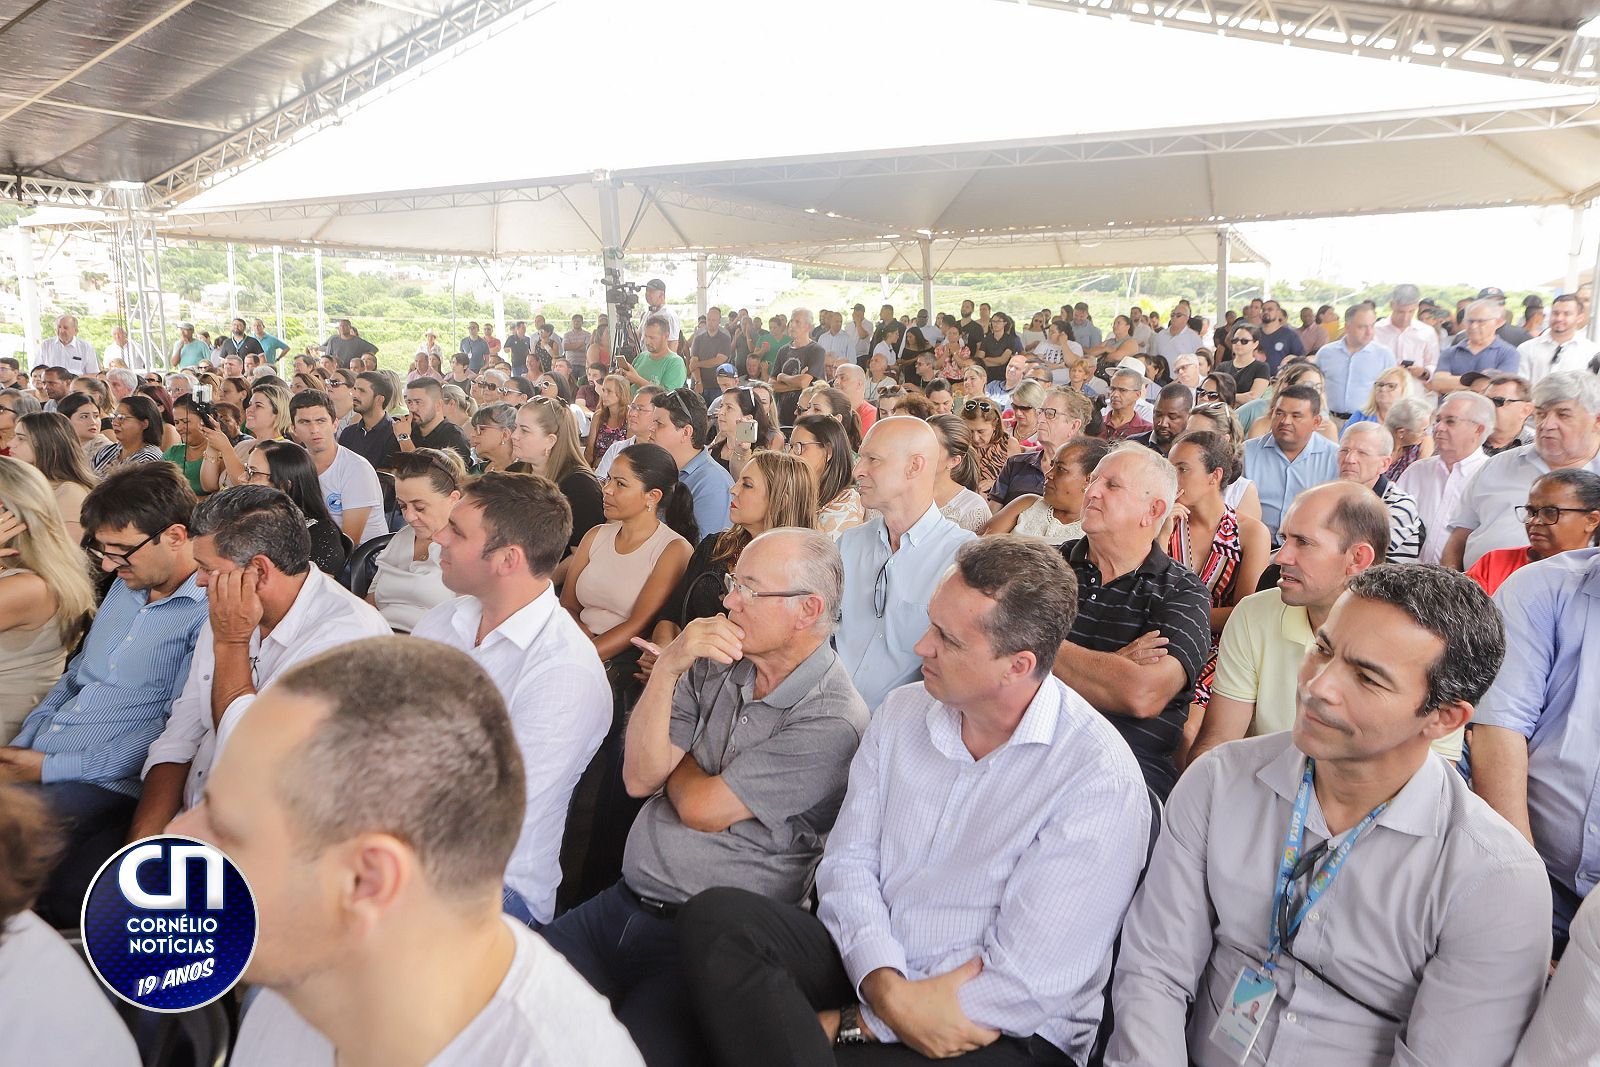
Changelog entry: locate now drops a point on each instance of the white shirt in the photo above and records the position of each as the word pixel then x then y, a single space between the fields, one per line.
pixel 1418 342
pixel 1539 355
pixel 324 615
pixel 1027 858
pixel 51 1008
pixel 666 313
pixel 861 335
pixel 406 588
pixel 1165 344
pixel 1500 485
pixel 1143 335
pixel 78 357
pixel 556 692
pixel 1438 490
pixel 611 456
pixel 543 1015
pixel 841 346
pixel 127 353
pixel 351 483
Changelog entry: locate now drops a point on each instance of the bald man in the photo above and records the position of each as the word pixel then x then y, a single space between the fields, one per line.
pixel 893 562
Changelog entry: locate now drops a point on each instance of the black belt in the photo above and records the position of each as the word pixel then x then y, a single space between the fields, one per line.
pixel 649 905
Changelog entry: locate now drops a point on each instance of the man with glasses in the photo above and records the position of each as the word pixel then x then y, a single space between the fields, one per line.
pixel 1479 349
pixel 1511 396
pixel 371 435
pixel 84 743
pixel 641 420
pixel 1437 483
pixel 1177 338
pixel 742 742
pixel 1065 413
pixel 1122 421
pixel 1560 346
pixel 1365 452
pixel 1352 364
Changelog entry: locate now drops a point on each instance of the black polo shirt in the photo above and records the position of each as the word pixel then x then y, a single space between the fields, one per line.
pixel 445 435
pixel 377 446
pixel 1163 595
pixel 1022 474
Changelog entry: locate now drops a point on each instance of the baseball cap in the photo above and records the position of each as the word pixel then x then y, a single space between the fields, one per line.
pixel 1491 293
pixel 657 284
pixel 727 369
pixel 185 325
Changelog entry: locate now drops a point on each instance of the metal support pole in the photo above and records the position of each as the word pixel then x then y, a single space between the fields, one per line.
pixel 233 289
pixel 161 296
pixel 926 245
pixel 700 285
pixel 1224 249
pixel 1575 249
pixel 1594 312
pixel 29 284
pixel 322 314
pixel 610 234
pixel 277 288
pixel 884 288
pixel 497 286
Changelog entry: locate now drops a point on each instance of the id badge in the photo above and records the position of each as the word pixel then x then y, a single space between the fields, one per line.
pixel 1245 1013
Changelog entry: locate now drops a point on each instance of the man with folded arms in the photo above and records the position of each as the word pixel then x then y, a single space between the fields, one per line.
pixel 1336 896
pixel 988 845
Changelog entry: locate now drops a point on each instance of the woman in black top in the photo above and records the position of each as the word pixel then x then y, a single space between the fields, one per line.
pixel 285 465
pixel 546 439
pixel 1247 368
pixel 999 345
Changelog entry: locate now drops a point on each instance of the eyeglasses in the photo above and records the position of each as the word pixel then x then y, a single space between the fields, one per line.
pixel 1545 516
pixel 794 448
pixel 1244 341
pixel 744 592
pixel 252 473
pixel 1021 407
pixel 1051 414
pixel 1502 401
pixel 120 559
pixel 1207 394
pixel 880 589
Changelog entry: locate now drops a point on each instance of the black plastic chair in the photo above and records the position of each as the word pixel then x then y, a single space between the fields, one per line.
pixel 363 565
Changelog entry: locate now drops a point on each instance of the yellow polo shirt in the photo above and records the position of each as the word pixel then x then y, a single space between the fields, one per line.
pixel 1258 661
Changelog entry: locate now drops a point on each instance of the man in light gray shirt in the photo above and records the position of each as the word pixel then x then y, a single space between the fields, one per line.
pixel 1405 922
pixel 742 741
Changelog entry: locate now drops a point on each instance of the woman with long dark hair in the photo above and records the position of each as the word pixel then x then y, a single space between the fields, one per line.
pixel 137 427
pixel 46 440
pixel 408 581
pixel 835 405
pixel 195 418
pixel 821 444
pixel 992 444
pixel 285 465
pixel 740 409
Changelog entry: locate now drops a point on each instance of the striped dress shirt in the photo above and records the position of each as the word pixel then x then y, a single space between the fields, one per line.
pixel 1406 531
pixel 99 719
pixel 1027 858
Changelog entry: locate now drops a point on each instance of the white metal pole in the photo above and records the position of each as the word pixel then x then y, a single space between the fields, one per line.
pixel 29 285
pixel 233 289
pixel 610 238
pixel 498 298
pixel 1224 248
pixel 1575 249
pixel 322 314
pixel 1594 312
pixel 700 284
pixel 927 277
pixel 277 288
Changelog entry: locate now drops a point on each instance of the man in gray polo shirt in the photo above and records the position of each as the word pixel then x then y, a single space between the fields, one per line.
pixel 742 740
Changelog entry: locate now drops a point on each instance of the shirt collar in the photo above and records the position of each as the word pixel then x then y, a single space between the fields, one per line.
pixel 796 685
pixel 521 628
pixel 919 530
pixel 1037 726
pixel 189 590
pixel 1416 810
pixel 1154 562
pixel 701 458
pixel 305 609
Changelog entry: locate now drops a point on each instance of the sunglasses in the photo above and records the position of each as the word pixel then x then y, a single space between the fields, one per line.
pixel 974 407
pixel 1207 394
pixel 1502 401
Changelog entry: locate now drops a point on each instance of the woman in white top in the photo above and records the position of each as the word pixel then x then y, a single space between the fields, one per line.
pixel 1057 515
pixel 625 568
pixel 427 483
pixel 956 479
pixel 1240 492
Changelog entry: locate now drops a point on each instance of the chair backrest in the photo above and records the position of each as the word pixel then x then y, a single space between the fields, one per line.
pixel 364 563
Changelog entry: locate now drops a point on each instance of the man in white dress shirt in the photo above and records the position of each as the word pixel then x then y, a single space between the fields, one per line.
pixel 269 609
pixel 1560 347
pixel 1460 426
pixel 1336 896
pixel 502 543
pixel 373 817
pixel 990 839
pixel 67 349
pixel 1414 343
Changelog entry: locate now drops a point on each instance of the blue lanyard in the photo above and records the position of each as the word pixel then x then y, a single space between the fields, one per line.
pixel 1320 882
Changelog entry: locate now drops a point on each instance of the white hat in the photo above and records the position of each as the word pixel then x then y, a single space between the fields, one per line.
pixel 1132 364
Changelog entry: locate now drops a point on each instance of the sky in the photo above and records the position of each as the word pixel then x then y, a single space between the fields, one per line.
pixel 625 83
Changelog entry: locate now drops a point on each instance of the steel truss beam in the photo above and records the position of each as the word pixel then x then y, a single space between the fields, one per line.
pixel 464 23
pixel 1385 31
pixel 34 190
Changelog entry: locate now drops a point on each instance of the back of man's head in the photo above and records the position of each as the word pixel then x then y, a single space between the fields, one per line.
pixel 247 521
pixel 527 511
pixel 1035 595
pixel 150 497
pixel 435 766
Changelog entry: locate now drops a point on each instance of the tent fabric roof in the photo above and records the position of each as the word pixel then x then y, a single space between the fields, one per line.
pixel 1092 201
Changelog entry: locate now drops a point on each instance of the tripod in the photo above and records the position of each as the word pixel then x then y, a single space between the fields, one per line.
pixel 624 338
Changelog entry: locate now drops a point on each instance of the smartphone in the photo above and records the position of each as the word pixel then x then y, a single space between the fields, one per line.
pixel 1407 362
pixel 202 393
pixel 745 433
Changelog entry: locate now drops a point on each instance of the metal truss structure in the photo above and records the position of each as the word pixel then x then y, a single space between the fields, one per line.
pixel 137 258
pixel 1539 44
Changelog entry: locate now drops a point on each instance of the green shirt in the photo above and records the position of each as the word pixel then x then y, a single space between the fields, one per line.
pixel 667 372
pixel 175 455
pixel 193 353
pixel 766 358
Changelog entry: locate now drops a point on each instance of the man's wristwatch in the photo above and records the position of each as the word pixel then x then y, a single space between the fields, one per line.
pixel 850 1032
pixel 402 437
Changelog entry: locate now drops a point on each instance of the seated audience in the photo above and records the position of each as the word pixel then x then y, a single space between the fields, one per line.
pixel 991 443
pixel 492 428
pixel 1122 421
pixel 1238 492
pixel 370 433
pixel 821 400
pixel 1365 452
pixel 85 741
pixel 269 609
pixel 1293 457
pixel 1392 385
pixel 956 475
pixel 408 583
pixel 287 467
pixel 1512 397
pixel 1437 483
pixel 45 440
pixel 193 419
pixel 266 418
pixel 641 425
pixel 822 446
pixel 958 913
pixel 1562 514
pixel 1063 415
pixel 1430 948
pixel 497 552
pixel 892 561
pixel 1567 419
pixel 136 429
pixel 740 747
pixel 1409 421
pixel 1054 516
pixel 84 414
pixel 546 441
pixel 46 597
pixel 1173 405
pixel 739 415
pixel 350 485
pixel 424 424
pixel 374 819
pixel 680 428
pixel 52 1010
pixel 611 422
pixel 1131 593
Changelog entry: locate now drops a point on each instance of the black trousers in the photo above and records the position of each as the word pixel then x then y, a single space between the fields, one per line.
pixel 759 971
pixel 93 824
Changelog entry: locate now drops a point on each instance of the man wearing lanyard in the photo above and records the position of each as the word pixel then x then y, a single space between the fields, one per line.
pixel 1334 894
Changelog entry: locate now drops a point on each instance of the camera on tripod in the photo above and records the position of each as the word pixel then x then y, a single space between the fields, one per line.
pixel 625 295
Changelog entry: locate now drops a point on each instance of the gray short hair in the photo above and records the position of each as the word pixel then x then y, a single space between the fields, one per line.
pixel 852 370
pixel 804 315
pixel 814 565
pixel 175 375
pixel 247 521
pixel 1135 375
pixel 1162 475
pixel 1371 429
pixel 1405 295
pixel 1499 307
pixel 1035 595
pixel 1480 409
pixel 1568 385
pixel 124 377
pixel 1411 413
pixel 21 403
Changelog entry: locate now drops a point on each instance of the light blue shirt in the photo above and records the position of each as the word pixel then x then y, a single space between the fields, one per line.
pixel 194 353
pixel 271 346
pixel 1279 480
pixel 1349 376
pixel 99 719
pixel 877 651
pixel 712 487
pixel 1546 692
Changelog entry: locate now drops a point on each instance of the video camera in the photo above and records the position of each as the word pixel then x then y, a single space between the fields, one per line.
pixel 625 295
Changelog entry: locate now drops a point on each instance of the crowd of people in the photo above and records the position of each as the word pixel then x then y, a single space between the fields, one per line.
pixel 819 689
